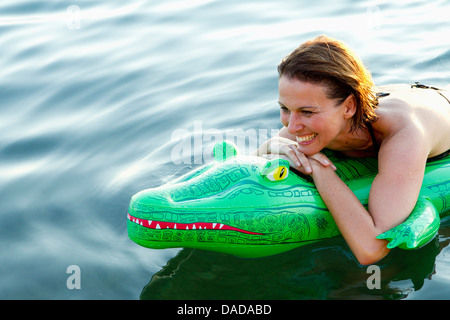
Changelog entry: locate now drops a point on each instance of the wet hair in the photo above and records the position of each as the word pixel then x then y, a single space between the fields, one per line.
pixel 331 63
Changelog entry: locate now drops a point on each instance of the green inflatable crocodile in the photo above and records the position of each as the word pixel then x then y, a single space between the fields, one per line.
pixel 252 207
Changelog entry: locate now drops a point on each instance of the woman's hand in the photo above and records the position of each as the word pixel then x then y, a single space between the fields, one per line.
pixel 321 160
pixel 290 150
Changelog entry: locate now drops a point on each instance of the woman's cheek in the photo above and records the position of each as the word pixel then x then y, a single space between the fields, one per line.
pixel 284 119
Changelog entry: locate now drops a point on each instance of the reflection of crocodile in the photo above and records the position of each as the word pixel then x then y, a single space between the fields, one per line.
pixel 252 207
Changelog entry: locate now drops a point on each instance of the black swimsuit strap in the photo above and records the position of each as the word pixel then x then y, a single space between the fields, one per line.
pixel 370 128
pixel 422 86
pixel 440 156
pixel 372 136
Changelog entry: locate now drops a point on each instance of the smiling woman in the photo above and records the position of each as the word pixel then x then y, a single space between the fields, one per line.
pixel 328 100
pixel 335 66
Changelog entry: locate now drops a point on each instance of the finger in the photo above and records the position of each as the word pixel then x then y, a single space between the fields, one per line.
pixel 305 163
pixel 303 160
pixel 323 159
pixel 293 156
pixel 288 150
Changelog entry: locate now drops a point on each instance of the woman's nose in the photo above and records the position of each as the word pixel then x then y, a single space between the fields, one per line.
pixel 295 124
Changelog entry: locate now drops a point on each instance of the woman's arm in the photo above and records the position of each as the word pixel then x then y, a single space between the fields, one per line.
pixel 392 197
pixel 354 222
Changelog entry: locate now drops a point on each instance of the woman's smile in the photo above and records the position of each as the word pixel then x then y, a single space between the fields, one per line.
pixel 306 139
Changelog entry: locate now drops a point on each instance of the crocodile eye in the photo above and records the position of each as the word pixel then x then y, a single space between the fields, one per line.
pixel 276 170
pixel 278 174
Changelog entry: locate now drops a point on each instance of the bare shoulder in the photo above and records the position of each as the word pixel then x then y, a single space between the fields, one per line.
pixel 417 112
pixel 418 98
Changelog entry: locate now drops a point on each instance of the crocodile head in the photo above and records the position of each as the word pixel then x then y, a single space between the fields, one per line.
pixel 243 205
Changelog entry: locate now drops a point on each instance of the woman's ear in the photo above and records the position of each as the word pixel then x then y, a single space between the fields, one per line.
pixel 349 107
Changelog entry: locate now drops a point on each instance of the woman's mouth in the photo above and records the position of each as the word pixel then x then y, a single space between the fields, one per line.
pixel 306 139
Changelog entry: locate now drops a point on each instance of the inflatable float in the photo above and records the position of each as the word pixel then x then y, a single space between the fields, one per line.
pixel 251 206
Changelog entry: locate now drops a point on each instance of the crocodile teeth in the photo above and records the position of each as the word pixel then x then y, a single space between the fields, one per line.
pixel 158 225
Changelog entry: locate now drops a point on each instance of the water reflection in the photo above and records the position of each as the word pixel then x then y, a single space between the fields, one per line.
pixel 324 270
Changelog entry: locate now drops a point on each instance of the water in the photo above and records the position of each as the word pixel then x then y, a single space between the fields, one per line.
pixel 92 95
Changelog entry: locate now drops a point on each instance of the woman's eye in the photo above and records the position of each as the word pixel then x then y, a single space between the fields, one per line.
pixel 307 113
pixel 284 109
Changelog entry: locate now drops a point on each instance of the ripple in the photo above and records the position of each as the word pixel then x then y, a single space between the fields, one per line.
pixel 88 113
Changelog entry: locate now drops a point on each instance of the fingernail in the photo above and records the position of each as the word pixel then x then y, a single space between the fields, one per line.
pixel 326 162
pixel 298 164
pixel 308 169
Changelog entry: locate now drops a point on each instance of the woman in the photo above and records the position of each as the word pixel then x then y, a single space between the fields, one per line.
pixel 328 100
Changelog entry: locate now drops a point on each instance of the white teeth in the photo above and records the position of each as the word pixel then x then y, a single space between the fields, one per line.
pixel 214 225
pixel 175 226
pixel 221 225
pixel 306 138
pixel 149 222
pixel 158 226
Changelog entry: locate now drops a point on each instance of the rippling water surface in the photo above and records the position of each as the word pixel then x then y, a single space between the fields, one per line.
pixel 91 96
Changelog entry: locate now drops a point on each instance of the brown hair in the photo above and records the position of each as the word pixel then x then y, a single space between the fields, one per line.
pixel 330 62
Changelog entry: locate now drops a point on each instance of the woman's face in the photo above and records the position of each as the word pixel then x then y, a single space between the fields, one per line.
pixel 314 119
